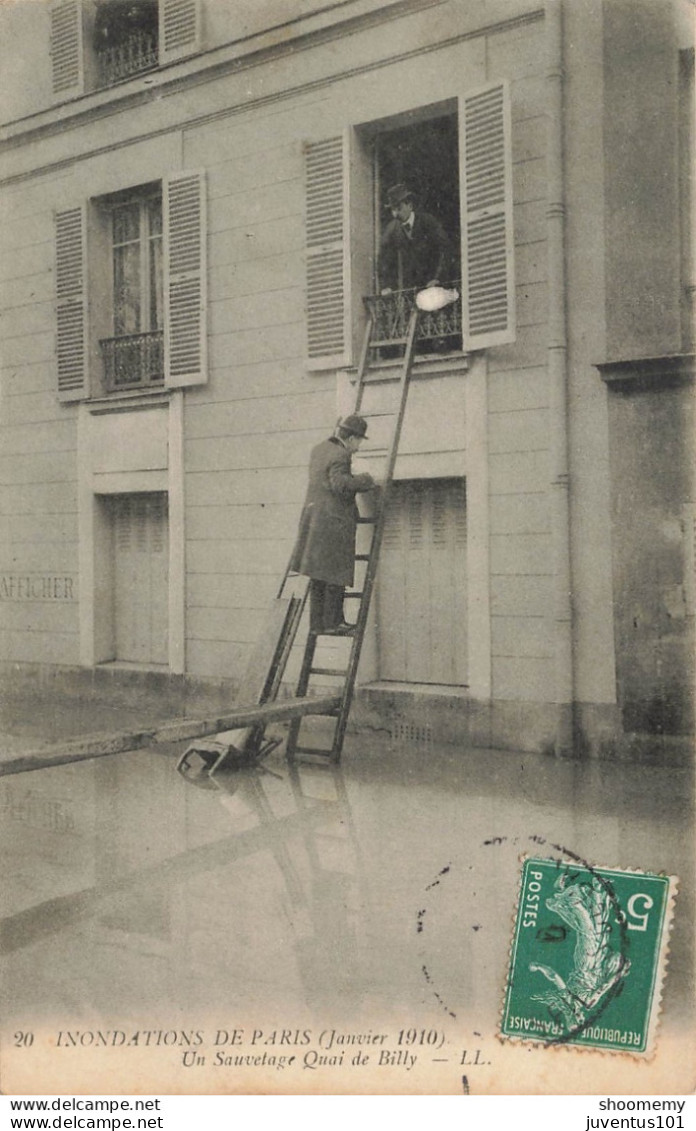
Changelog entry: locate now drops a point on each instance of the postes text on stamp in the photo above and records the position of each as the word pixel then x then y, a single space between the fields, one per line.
pixel 588 956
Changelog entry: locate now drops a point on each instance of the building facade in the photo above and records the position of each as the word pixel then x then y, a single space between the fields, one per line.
pixel 193 194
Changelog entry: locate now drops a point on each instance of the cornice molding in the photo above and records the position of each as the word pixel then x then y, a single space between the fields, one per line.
pixel 648 372
pixel 204 66
pixel 174 86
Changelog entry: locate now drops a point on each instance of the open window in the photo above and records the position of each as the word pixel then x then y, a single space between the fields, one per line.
pixel 98 43
pixel 422 155
pixel 456 159
pixel 125 38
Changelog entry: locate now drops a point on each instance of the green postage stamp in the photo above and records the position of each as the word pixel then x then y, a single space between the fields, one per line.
pixel 588 956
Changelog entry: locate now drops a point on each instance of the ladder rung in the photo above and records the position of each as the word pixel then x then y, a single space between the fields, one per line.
pixel 362 557
pixel 312 750
pixel 329 671
pixel 373 520
pixel 356 594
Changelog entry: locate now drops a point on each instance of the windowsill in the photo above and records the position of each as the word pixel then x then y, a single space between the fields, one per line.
pixel 648 372
pixel 399 687
pixel 112 84
pixel 132 666
pixel 427 365
pixel 131 398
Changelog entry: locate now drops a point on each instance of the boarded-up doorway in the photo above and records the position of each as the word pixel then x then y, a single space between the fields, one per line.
pixel 421 603
pixel 140 555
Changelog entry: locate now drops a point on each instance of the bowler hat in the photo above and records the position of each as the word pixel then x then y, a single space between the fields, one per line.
pixel 354 425
pixel 398 193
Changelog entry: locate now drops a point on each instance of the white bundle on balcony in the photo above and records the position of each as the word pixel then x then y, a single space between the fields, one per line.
pixel 434 298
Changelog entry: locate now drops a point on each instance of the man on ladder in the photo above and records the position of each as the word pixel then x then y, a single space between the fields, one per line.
pixel 325 548
pixel 325 553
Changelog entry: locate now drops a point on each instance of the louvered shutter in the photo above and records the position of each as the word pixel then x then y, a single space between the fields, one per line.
pixel 488 283
pixel 71 308
pixel 179 29
pixel 185 337
pixel 325 221
pixel 67 63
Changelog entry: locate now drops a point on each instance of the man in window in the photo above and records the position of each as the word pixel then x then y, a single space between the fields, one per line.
pixel 414 249
pixel 325 548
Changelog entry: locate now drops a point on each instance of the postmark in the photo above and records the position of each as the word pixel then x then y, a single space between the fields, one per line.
pixel 588 956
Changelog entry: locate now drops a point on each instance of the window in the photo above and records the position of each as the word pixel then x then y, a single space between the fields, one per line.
pixel 457 159
pixel 421 589
pixel 139 569
pixel 125 39
pixel 134 355
pixel 424 157
pixel 97 43
pixel 136 261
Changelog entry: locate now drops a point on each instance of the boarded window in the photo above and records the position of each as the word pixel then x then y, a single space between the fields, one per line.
pixel 422 622
pixel 140 544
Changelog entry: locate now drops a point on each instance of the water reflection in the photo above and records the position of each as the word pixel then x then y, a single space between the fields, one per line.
pixel 385 885
pixel 309 830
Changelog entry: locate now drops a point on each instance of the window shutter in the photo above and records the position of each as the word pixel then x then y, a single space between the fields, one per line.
pixel 179 29
pixel 325 220
pixel 488 281
pixel 185 337
pixel 67 47
pixel 71 304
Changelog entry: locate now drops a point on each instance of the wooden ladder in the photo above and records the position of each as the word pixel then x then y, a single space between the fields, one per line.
pixel 339 715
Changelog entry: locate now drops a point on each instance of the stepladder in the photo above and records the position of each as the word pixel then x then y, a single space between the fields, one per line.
pixel 343 673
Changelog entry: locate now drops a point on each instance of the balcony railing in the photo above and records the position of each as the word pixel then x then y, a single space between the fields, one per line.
pixel 438 330
pixel 134 361
pixel 137 53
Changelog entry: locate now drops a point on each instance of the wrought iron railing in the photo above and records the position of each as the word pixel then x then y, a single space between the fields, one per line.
pixel 133 361
pixel 437 329
pixel 137 53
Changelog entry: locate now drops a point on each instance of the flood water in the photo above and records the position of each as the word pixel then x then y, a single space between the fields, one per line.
pixel 374 900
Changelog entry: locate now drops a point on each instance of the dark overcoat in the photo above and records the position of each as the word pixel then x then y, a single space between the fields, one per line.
pixel 325 547
pixel 412 261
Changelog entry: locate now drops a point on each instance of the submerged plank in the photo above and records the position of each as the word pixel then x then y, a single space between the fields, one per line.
pixel 177 730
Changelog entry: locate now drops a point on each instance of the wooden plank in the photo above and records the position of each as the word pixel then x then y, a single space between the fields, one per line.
pixel 179 730
pixel 265 653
